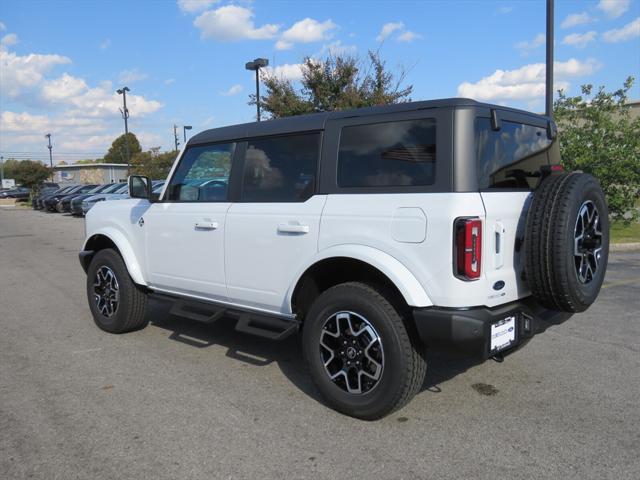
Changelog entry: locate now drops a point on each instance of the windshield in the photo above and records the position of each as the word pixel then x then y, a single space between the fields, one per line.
pixel 111 188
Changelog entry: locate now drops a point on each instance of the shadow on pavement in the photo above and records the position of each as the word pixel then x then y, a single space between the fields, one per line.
pixel 287 354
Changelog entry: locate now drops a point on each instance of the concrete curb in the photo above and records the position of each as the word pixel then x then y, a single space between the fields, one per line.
pixel 624 247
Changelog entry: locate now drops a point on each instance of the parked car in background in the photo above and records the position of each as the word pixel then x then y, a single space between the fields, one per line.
pixel 19 193
pixel 41 193
pixel 40 199
pixel 51 202
pixel 88 203
pixel 75 205
pixel 64 205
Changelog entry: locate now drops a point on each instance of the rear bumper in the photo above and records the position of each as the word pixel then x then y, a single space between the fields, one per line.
pixel 469 330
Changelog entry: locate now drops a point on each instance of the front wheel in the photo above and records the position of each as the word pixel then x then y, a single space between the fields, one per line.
pixel 118 305
pixel 359 352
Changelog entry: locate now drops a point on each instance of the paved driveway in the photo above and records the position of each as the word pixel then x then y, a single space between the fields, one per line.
pixel 181 400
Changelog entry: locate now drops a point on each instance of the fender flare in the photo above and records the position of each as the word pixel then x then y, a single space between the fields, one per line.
pixel 124 247
pixel 408 285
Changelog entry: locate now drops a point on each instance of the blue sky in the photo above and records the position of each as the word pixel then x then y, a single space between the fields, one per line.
pixel 61 62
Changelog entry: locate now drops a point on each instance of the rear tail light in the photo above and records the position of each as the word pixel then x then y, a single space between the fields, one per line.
pixel 468 248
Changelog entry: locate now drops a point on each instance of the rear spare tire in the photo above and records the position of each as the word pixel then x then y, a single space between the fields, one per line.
pixel 566 243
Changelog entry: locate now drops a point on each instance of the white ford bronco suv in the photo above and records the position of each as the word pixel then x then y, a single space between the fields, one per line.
pixel 376 233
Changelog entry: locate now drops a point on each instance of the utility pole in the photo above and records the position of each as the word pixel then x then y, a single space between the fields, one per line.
pixel 1 171
pixel 549 68
pixel 175 135
pixel 125 115
pixel 50 147
pixel 256 65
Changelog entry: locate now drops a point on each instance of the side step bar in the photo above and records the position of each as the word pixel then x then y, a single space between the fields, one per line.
pixel 266 326
pixel 269 327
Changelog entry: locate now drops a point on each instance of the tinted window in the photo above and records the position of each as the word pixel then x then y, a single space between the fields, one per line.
pixel 281 169
pixel 508 158
pixel 203 174
pixel 388 154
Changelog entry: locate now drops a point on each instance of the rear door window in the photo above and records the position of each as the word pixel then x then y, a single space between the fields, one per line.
pixel 281 169
pixel 512 156
pixel 389 154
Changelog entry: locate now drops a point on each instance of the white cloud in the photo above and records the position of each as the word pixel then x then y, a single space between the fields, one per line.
pixel 408 36
pixel 170 81
pixel 232 23
pixel 629 31
pixel 287 71
pixel 524 83
pixel 18 74
pixel 3 27
pixel 388 29
pixel 9 39
pixel 234 90
pixel 192 6
pixel 305 31
pixel 580 40
pixel 106 43
pixel 132 76
pixel 527 47
pixel 576 19
pixel 337 48
pixel 61 89
pixel 614 8
pixel 504 10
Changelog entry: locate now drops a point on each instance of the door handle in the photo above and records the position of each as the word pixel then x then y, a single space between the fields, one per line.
pixel 293 228
pixel 206 225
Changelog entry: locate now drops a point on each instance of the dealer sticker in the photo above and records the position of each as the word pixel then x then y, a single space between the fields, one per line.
pixel 503 333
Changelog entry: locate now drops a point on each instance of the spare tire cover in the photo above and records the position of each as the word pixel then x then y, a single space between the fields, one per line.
pixel 566 244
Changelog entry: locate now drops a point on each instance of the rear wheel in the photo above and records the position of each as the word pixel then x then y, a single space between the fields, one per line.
pixel 118 305
pixel 359 352
pixel 567 242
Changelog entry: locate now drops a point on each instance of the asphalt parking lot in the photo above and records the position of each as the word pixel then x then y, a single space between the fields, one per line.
pixel 185 400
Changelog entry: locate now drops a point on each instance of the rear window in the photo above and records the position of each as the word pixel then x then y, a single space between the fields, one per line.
pixel 388 154
pixel 512 156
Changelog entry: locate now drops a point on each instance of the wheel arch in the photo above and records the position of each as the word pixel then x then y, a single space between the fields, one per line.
pixel 111 238
pixel 355 263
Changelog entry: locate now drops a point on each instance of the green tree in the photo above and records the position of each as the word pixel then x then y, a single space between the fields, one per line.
pixel 153 164
pixel 118 151
pixel 336 83
pixel 26 172
pixel 598 136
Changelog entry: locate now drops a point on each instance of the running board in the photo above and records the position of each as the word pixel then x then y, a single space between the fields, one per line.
pixel 269 327
pixel 197 311
pixel 266 326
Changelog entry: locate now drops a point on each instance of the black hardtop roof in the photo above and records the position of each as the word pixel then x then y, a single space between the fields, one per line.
pixel 316 121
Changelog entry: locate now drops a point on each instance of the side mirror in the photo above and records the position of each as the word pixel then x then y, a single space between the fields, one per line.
pixel 139 187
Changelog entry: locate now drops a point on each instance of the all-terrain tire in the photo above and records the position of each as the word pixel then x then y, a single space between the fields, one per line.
pixel 554 253
pixel 404 366
pixel 131 300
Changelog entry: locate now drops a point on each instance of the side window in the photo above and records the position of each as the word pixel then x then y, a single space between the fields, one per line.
pixel 203 174
pixel 512 156
pixel 388 154
pixel 281 169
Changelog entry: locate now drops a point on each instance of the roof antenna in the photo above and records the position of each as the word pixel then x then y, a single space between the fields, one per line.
pixel 549 70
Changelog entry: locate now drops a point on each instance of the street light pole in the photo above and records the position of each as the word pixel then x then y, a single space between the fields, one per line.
pixel 1 171
pixel 256 65
pixel 125 115
pixel 50 147
pixel 184 132
pixel 549 68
